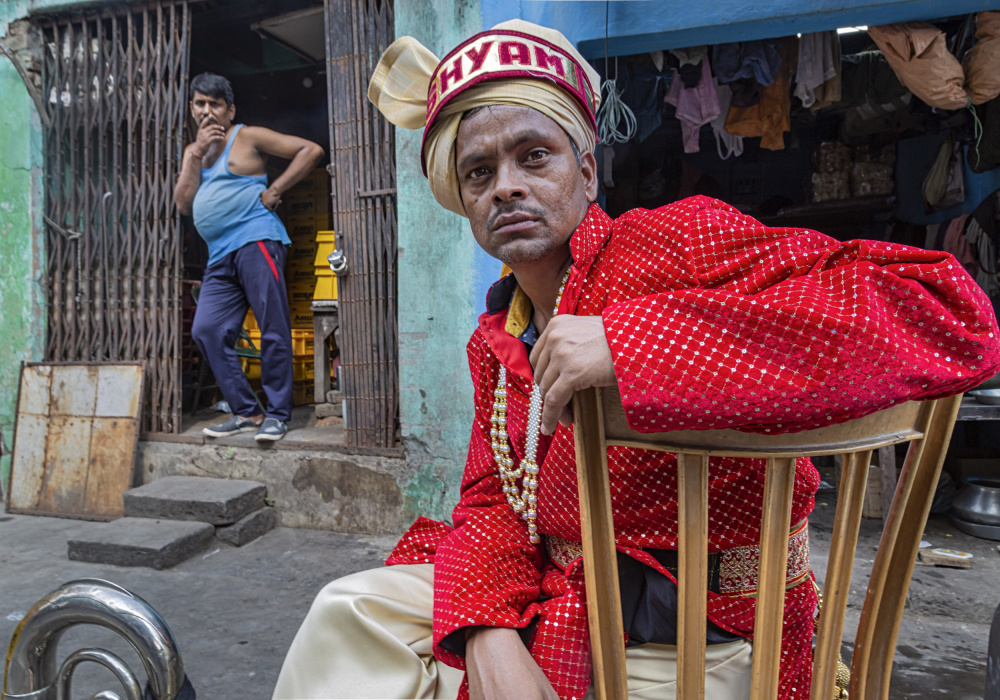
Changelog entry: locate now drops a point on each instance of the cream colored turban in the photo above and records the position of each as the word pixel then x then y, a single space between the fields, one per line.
pixel 514 63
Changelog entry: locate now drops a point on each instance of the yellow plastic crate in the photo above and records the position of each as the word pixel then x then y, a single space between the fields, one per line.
pixel 326 286
pixel 301 250
pixel 302 343
pixel 250 322
pixel 301 265
pixel 302 392
pixel 323 251
pixel 298 275
pixel 307 204
pixel 300 294
pixel 302 318
pixel 302 369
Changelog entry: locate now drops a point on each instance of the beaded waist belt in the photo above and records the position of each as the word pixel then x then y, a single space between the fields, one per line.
pixel 738 567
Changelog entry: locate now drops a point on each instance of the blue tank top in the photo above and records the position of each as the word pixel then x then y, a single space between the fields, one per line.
pixel 227 209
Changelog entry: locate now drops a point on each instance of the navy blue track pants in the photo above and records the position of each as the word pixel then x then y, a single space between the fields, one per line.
pixel 252 276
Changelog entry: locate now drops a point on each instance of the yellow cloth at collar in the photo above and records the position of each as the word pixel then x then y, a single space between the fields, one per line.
pixel 400 84
pixel 519 313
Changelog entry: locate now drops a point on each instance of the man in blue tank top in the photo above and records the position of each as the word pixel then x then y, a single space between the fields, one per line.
pixel 224 185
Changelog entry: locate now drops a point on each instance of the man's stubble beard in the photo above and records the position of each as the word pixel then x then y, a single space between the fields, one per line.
pixel 533 251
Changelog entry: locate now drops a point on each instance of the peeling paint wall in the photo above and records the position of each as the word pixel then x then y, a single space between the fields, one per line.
pixel 22 251
pixel 441 278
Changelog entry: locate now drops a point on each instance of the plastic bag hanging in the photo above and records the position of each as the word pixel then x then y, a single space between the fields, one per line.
pixel 982 62
pixel 918 53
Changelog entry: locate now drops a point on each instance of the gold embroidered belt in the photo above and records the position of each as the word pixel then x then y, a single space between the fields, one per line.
pixel 738 567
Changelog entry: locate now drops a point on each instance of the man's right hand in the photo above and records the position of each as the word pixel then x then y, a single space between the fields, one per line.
pixel 500 667
pixel 209 132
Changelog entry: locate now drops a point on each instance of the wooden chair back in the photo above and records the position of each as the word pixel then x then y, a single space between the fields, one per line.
pixel 599 422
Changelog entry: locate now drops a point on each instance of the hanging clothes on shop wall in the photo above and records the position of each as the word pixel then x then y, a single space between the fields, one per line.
pixel 747 67
pixel 819 61
pixel 725 143
pixel 983 234
pixel 696 106
pixel 957 244
pixel 688 64
pixel 643 93
pixel 770 117
pixel 876 102
pixel 944 184
pixel 829 93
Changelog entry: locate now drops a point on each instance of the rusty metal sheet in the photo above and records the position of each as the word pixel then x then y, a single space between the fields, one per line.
pixel 75 439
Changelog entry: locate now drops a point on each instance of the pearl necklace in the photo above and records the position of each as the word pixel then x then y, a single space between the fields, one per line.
pixel 523 502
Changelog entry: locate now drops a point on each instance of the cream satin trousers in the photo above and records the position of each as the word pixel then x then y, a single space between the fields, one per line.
pixel 368 635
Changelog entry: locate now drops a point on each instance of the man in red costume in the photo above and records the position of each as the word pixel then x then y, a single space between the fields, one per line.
pixel 703 317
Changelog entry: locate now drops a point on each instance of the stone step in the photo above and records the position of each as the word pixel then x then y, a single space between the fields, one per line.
pixel 156 543
pixel 249 528
pixel 204 499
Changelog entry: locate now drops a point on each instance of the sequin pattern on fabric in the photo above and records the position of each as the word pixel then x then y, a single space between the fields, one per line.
pixel 714 321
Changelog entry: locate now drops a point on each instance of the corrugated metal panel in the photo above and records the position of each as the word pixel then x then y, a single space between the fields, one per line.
pixel 364 177
pixel 114 85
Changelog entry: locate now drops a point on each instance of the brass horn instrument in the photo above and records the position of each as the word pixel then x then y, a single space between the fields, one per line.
pixel 31 673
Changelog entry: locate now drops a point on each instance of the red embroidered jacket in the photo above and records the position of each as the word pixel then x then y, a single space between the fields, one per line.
pixel 714 321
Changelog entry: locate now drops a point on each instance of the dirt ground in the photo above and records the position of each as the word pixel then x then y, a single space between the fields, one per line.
pixel 234 610
pixel 941 650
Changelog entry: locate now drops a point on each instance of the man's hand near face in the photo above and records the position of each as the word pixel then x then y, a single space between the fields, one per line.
pixel 572 354
pixel 499 667
pixel 210 132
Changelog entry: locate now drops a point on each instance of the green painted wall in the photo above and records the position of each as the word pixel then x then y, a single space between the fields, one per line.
pixel 22 259
pixel 438 292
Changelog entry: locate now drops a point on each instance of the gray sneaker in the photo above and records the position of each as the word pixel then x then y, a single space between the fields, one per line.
pixel 233 426
pixel 271 430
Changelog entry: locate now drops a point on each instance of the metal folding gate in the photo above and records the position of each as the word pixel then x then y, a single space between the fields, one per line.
pixel 364 211
pixel 115 84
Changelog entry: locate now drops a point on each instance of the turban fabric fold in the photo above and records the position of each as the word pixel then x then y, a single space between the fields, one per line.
pixel 515 63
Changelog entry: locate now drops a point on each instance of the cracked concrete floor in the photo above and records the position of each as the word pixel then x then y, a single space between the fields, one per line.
pixel 234 611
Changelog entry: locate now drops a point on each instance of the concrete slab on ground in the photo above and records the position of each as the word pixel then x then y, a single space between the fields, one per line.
pixel 248 528
pixel 199 498
pixel 158 544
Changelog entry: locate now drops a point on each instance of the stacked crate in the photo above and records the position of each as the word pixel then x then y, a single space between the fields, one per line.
pixel 326 281
pixel 305 210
